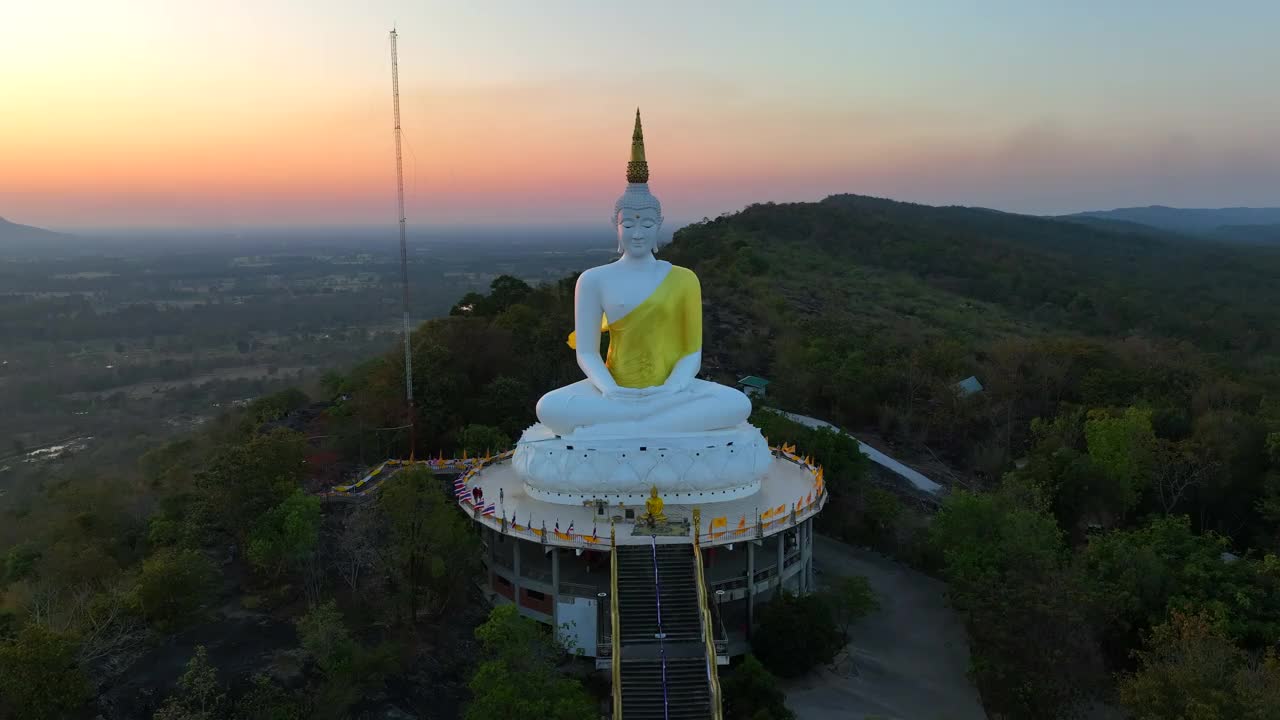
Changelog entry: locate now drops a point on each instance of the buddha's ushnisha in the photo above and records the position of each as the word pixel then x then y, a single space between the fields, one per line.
pixel 652 311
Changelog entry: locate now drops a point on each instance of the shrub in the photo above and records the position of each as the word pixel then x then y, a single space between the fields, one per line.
pixel 518 677
pixel 172 585
pixel 795 633
pixel 749 690
pixel 39 677
pixel 851 598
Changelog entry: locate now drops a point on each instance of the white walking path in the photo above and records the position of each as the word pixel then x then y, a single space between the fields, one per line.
pixel 912 476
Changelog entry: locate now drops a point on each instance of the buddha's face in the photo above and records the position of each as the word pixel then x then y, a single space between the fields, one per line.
pixel 638 231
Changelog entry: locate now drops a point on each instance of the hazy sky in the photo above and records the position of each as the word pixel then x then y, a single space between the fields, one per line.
pixel 185 113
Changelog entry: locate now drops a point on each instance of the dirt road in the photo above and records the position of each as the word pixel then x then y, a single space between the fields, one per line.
pixel 907 661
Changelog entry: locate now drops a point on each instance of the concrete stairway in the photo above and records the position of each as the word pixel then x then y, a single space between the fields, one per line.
pixel 637 594
pixel 681 645
pixel 687 696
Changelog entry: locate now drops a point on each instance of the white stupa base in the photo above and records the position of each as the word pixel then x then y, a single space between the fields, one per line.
pixel 685 467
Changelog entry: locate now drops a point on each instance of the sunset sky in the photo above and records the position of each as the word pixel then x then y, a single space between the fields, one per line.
pixel 178 113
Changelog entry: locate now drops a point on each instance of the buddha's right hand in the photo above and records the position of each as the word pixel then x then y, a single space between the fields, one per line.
pixel 618 392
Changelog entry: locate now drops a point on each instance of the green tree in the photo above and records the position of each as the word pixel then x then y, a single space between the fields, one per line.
pixel 39 676
pixel 430 544
pixel 1135 577
pixel 277 405
pixel 1189 670
pixel 877 526
pixel 350 670
pixel 1233 443
pixel 286 534
pixel 983 537
pixel 505 403
pixel 266 700
pixel 199 695
pixel 20 562
pixel 172 585
pixel 851 599
pixel 471 304
pixel 177 529
pixel 518 678
pixel 795 633
pixel 325 638
pixel 506 291
pixel 1075 489
pixel 749 689
pixel 844 466
pixel 1269 504
pixel 1033 653
pixel 1122 447
pixel 243 480
pixel 476 440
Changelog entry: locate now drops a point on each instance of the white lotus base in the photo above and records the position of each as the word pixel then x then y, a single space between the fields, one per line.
pixel 685 467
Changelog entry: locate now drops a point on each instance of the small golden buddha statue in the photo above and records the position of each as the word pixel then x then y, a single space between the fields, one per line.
pixel 653 514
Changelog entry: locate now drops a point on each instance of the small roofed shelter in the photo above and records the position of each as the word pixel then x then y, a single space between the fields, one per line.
pixel 753 386
pixel 968 386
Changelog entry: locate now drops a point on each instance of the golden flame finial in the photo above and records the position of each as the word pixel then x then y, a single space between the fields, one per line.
pixel 637 168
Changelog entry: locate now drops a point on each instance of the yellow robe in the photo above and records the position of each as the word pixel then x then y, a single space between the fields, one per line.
pixel 648 341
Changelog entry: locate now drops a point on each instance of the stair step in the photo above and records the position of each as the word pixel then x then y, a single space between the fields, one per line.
pixel 639 596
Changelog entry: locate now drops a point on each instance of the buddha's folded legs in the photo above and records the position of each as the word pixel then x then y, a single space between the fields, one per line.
pixel 707 406
pixel 702 406
pixel 581 404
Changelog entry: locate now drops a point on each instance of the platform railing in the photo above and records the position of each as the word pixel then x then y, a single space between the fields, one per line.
pixel 708 628
pixel 616 660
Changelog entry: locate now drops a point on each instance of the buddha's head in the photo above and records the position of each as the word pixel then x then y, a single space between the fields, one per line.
pixel 638 230
pixel 637 215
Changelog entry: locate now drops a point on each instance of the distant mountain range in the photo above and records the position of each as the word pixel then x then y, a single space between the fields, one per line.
pixel 1239 224
pixel 14 235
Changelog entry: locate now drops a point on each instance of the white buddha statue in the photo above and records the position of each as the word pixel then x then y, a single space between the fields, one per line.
pixel 641 419
pixel 652 311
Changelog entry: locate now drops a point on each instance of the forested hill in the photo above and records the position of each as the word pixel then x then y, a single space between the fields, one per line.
pixel 13 235
pixel 1116 280
pixel 1239 224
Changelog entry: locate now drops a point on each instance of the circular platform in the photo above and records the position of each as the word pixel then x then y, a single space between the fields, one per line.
pixel 789 491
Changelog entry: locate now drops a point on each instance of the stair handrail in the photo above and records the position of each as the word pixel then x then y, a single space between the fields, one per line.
pixel 662 634
pixel 708 630
pixel 616 660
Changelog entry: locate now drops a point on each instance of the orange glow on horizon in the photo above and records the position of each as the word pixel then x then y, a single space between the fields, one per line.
pixel 147 112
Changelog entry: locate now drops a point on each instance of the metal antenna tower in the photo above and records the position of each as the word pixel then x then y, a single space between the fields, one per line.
pixel 404 254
